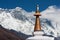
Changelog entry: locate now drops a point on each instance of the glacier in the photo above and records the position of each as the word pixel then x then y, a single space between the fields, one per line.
pixel 22 21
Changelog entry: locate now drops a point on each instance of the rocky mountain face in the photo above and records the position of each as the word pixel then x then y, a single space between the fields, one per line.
pixel 8 35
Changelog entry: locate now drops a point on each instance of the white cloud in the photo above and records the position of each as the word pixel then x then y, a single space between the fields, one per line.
pixel 52 13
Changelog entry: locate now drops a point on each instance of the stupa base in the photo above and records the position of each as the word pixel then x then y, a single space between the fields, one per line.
pixel 38 35
pixel 40 38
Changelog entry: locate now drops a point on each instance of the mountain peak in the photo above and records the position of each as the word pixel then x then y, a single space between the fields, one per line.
pixel 18 8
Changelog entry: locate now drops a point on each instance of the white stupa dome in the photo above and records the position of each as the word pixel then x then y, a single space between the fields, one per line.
pixel 39 36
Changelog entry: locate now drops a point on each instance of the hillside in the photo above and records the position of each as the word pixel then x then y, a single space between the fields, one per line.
pixel 8 35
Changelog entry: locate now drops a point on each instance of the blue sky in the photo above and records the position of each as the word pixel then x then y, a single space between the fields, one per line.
pixel 28 5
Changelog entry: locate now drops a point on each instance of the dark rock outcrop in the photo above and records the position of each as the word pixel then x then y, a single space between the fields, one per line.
pixel 6 34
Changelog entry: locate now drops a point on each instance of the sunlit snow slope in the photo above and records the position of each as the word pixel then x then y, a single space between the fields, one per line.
pixel 20 20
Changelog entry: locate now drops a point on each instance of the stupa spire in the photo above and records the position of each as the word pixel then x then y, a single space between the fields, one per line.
pixel 37 22
pixel 37 8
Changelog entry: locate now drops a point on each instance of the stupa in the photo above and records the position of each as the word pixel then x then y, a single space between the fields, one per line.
pixel 38 33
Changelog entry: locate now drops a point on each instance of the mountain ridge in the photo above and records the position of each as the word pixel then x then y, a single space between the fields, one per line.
pixel 23 21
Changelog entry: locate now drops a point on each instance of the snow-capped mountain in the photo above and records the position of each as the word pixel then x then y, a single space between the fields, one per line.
pixel 20 20
pixel 16 19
